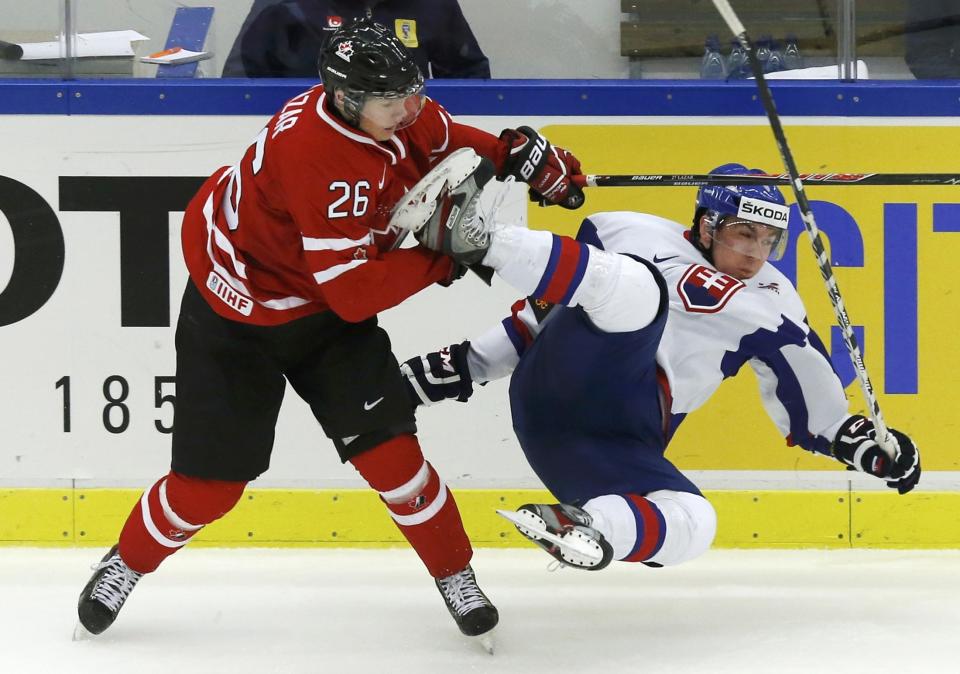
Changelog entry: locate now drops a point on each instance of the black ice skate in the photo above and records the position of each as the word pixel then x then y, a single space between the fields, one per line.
pixel 469 606
pixel 105 594
pixel 565 532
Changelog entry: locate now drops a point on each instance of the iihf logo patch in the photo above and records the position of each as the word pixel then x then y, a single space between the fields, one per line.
pixel 418 502
pixel 345 50
pixel 706 291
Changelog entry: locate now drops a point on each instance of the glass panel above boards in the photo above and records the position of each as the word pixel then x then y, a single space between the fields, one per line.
pixel 480 39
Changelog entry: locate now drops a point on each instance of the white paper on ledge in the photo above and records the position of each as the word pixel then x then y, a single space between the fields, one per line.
pixel 817 73
pixel 108 43
pixel 176 56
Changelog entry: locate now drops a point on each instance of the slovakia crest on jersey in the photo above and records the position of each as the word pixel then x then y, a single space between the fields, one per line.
pixel 706 291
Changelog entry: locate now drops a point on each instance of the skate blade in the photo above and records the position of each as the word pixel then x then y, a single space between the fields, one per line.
pixel 80 633
pixel 528 526
pixel 577 546
pixel 485 641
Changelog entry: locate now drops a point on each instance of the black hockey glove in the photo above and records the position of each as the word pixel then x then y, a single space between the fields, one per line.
pixel 856 445
pixel 439 375
pixel 457 271
pixel 548 169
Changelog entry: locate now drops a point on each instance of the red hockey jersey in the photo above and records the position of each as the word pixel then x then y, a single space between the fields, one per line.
pixel 300 224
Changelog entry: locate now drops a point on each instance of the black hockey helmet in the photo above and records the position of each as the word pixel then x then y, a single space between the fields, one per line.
pixel 364 58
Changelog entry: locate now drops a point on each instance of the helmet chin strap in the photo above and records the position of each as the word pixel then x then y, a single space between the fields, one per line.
pixel 706 252
pixel 698 242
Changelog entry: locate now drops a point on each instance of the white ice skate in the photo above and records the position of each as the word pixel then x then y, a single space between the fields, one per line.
pixel 565 532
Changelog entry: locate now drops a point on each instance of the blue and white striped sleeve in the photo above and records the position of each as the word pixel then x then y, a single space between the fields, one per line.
pixel 496 352
pixel 801 392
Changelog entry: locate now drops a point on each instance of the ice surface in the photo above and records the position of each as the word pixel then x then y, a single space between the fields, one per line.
pixel 358 611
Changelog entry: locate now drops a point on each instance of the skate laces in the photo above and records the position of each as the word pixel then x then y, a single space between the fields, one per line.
pixel 116 584
pixel 577 516
pixel 475 229
pixel 461 592
pixel 560 517
pixel 556 565
pixel 480 221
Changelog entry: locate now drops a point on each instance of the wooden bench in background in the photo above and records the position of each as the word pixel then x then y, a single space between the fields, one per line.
pixel 678 28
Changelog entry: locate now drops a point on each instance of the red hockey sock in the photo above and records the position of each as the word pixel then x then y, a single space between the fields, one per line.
pixel 419 502
pixel 169 514
pixel 651 528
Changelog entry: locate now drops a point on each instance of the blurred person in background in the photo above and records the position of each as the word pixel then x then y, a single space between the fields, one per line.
pixel 283 38
pixel 933 39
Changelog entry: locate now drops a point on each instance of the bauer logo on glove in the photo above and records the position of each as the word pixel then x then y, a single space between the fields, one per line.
pixel 546 168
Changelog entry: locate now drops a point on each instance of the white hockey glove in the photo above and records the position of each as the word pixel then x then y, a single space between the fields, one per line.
pixel 856 445
pixel 439 375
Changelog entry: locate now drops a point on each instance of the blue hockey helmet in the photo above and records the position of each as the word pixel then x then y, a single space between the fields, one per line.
pixel 727 205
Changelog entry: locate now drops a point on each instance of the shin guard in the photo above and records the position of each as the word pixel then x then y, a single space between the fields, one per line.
pixel 419 502
pixel 661 528
pixel 169 514
pixel 634 526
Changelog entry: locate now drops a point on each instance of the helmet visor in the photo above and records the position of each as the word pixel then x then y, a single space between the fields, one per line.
pixel 753 239
pixel 393 112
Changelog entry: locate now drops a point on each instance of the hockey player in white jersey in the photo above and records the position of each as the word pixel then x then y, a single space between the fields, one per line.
pixel 628 329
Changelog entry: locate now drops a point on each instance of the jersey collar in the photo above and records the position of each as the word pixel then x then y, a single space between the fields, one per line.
pixel 358 136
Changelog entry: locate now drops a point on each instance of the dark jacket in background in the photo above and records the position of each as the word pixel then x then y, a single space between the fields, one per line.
pixel 933 38
pixel 282 38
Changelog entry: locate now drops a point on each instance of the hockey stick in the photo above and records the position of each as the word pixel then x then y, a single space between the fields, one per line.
pixel 884 439
pixel 699 180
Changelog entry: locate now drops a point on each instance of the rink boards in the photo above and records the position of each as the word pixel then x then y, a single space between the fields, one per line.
pixel 357 518
pixel 92 275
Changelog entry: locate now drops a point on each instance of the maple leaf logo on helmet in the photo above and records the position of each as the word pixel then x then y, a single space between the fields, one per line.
pixel 345 50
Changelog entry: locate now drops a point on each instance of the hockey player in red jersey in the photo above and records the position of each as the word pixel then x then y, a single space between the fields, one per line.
pixel 291 255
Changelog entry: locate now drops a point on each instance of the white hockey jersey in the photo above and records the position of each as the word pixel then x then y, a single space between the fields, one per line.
pixel 716 324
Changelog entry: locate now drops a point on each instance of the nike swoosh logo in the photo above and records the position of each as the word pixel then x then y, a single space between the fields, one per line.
pixel 658 260
pixel 383 178
pixel 369 406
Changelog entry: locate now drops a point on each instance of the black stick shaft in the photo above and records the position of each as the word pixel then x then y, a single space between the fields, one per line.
pixel 766 98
